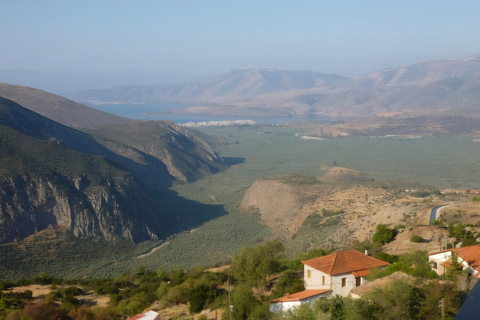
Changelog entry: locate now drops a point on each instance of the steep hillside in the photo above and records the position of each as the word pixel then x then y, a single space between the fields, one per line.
pixel 43 183
pixel 51 174
pixel 57 108
pixel 157 151
pixel 162 145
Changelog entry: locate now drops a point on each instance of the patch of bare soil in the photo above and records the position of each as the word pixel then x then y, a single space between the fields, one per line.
pixel 338 174
pixel 219 269
pixel 38 290
pixel 433 239
pixel 467 213
pixel 278 203
pixel 175 312
pixel 89 298
pixel 181 312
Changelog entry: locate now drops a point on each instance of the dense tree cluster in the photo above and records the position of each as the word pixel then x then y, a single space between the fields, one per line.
pixel 257 275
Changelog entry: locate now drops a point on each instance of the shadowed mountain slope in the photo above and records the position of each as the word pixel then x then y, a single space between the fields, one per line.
pixel 55 175
pixel 44 183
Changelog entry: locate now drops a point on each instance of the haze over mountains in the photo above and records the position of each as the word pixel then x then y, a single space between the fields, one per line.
pixel 443 86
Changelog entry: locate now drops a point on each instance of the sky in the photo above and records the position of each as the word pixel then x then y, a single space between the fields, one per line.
pixel 180 40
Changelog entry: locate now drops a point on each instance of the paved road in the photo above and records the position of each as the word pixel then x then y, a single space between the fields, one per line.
pixel 433 214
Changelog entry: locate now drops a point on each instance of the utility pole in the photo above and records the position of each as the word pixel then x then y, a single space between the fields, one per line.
pixel 229 299
pixel 215 299
pixel 443 308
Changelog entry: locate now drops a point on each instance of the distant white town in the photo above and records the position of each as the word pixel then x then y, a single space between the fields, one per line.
pixel 219 123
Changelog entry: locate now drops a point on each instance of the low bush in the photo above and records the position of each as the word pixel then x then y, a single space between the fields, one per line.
pixel 416 239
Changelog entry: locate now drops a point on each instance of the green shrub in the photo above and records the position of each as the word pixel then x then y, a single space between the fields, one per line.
pixel 416 239
pixel 383 234
pixel 198 297
pixel 288 282
pixel 385 257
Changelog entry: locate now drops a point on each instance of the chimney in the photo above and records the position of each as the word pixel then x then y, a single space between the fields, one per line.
pixel 366 252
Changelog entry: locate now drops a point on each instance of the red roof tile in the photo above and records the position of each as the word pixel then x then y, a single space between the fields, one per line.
pixel 471 255
pixel 362 273
pixel 344 262
pixel 299 296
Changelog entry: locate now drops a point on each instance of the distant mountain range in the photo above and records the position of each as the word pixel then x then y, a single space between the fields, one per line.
pixel 440 87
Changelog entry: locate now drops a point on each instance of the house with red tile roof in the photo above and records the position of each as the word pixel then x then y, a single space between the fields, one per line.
pixel 334 274
pixel 340 272
pixel 294 300
pixel 467 257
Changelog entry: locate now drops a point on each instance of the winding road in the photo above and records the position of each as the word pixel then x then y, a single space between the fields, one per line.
pixel 435 211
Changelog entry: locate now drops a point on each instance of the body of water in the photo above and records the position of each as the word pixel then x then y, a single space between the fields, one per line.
pixel 164 112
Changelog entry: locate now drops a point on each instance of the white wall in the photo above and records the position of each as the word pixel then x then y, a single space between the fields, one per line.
pixel 284 306
pixel 279 306
pixel 439 258
pixel 337 284
pixel 333 283
pixel 315 281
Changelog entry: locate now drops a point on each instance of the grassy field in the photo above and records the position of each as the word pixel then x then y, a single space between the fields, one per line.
pixel 448 162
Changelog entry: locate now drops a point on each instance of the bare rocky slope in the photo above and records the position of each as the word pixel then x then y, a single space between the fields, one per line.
pixel 337 210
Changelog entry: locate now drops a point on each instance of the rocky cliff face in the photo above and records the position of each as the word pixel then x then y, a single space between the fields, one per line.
pixel 29 204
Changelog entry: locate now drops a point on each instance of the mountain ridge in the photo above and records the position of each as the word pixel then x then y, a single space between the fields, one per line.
pixel 281 92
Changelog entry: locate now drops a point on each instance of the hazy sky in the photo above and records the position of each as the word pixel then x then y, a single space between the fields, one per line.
pixel 182 40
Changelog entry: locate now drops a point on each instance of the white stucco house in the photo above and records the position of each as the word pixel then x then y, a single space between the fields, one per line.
pixel 334 274
pixel 467 257
pixel 290 301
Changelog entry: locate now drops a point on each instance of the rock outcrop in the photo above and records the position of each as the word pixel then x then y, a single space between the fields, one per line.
pixel 113 209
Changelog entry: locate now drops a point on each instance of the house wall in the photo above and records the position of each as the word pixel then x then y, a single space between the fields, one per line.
pixel 440 258
pixel 279 306
pixel 284 306
pixel 337 284
pixel 315 280
pixel 333 283
pixel 445 256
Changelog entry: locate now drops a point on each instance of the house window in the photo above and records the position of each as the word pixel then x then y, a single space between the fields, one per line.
pixel 309 273
pixel 323 280
pixel 358 281
pixel 344 282
pixel 435 265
